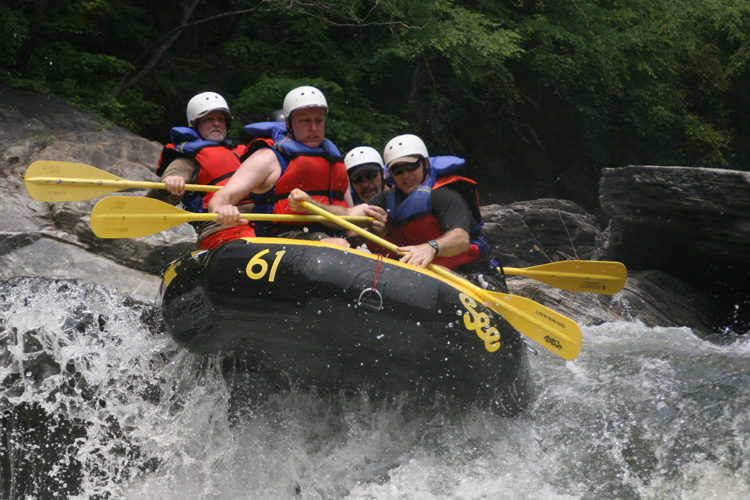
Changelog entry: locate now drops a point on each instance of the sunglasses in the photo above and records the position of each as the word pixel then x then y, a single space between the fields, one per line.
pixel 409 167
pixel 369 175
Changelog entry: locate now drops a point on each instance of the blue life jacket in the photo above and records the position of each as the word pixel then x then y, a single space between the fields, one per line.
pixel 419 205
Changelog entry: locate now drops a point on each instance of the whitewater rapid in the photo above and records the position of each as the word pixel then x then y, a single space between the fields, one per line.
pixel 642 413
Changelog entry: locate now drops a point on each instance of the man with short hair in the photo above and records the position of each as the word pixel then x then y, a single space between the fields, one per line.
pixel 300 159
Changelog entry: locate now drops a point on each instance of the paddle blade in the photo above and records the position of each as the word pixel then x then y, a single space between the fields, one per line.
pixel 546 327
pixel 44 181
pixel 133 217
pixel 578 275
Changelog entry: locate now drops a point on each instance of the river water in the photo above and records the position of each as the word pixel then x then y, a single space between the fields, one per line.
pixel 98 402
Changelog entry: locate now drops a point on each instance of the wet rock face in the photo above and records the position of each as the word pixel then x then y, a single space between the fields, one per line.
pixel 535 232
pixel 55 239
pixel 693 223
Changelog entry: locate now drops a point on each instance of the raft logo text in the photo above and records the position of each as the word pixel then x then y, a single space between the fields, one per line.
pixel 480 323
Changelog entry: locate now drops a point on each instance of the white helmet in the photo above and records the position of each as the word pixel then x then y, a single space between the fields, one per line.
pixel 304 97
pixel 362 155
pixel 405 148
pixel 203 103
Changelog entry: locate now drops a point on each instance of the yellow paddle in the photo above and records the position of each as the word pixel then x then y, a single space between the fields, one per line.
pixel 544 326
pixel 578 275
pixel 133 216
pixel 70 181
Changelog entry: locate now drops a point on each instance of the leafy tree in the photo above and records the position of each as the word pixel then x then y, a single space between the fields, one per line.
pixel 538 96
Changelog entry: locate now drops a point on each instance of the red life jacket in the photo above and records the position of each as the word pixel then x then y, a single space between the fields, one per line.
pixel 320 172
pixel 218 162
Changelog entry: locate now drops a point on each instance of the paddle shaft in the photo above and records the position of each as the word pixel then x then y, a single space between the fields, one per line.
pixel 133 217
pixel 190 217
pixel 117 185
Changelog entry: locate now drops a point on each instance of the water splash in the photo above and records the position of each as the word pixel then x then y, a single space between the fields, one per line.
pixel 642 413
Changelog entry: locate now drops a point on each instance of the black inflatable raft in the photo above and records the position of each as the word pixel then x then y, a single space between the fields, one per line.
pixel 325 316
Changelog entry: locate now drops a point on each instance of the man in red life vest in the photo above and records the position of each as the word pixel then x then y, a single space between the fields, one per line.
pixel 202 154
pixel 301 158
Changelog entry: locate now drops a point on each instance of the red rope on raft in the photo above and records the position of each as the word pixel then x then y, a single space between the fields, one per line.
pixel 378 269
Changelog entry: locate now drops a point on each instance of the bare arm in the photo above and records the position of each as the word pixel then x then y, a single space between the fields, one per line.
pixel 257 174
pixel 452 243
pixel 380 216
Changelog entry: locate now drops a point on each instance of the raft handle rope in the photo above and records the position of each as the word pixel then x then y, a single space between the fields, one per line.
pixel 371 298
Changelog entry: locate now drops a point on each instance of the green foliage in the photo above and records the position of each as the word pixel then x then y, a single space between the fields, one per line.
pixel 132 105
pixel 538 96
pixel 14 31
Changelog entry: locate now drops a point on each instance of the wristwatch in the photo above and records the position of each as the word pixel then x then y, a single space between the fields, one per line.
pixel 434 244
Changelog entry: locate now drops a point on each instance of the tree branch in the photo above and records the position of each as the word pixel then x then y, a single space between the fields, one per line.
pixel 162 45
pixel 126 82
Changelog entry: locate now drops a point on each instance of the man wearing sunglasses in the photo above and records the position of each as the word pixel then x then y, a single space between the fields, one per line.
pixel 366 171
pixel 433 215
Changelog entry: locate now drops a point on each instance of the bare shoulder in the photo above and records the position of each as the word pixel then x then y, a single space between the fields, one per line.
pixel 259 172
pixel 263 159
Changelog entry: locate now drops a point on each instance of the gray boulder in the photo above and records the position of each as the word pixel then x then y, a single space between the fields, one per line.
pixel 529 233
pixel 535 232
pixel 693 223
pixel 55 239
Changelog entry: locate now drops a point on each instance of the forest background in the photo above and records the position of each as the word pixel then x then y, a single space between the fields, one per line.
pixel 537 95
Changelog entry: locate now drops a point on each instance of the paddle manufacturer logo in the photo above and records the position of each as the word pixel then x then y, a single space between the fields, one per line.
pixel 553 342
pixel 480 323
pixel 592 285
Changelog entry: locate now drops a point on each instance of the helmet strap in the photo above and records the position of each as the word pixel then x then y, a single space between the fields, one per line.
pixel 289 126
pixel 426 165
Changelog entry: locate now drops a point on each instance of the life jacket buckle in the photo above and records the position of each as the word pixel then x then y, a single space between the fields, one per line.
pixel 370 299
